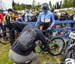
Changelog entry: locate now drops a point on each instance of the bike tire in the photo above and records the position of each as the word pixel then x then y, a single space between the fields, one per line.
pixel 4 41
pixel 62 45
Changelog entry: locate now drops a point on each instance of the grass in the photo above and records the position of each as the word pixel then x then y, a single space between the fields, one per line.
pixel 42 57
pixel 4 54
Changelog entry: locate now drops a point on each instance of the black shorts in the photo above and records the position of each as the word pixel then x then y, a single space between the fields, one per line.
pixel 45 25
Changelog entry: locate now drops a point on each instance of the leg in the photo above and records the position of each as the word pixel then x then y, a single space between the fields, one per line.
pixel 2 28
pixel 12 36
pixel 11 33
pixel 34 61
pixel 4 31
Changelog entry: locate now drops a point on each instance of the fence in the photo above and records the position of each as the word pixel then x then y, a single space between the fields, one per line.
pixel 60 29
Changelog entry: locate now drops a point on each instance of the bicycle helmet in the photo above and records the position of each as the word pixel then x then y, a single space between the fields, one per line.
pixel 44 6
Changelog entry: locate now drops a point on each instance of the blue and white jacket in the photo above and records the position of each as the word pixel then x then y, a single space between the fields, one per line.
pixel 48 17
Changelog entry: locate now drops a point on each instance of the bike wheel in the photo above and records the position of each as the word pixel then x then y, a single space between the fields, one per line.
pixel 3 41
pixel 56 46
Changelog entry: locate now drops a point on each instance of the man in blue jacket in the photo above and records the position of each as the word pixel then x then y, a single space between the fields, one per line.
pixel 45 18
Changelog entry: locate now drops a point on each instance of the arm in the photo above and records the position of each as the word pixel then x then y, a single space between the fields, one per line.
pixel 53 21
pixel 43 39
pixel 4 19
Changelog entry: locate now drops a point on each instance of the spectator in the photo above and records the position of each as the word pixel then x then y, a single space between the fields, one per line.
pixel 14 15
pixel 1 22
pixel 34 17
pixel 8 24
pixel 20 18
pixel 27 15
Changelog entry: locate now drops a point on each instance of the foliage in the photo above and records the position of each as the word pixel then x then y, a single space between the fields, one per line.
pixel 17 6
pixel 73 3
pixel 68 3
pixel 65 4
pixel 57 5
pixel 50 4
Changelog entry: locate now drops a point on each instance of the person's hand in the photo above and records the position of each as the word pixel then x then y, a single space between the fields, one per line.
pixel 49 28
pixel 71 46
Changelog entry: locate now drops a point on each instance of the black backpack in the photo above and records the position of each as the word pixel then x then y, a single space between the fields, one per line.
pixel 27 38
pixel 7 18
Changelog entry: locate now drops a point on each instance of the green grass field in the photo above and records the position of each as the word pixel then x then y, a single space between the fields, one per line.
pixel 42 57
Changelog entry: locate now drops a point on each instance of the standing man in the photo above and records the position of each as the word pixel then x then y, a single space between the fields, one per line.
pixel 8 24
pixel 45 18
pixel 1 21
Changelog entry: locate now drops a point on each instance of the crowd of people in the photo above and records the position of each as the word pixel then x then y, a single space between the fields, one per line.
pixel 13 20
pixel 64 16
pixel 13 16
pixel 10 18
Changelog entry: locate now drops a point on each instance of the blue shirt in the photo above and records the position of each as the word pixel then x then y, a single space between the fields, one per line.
pixel 48 17
pixel 20 19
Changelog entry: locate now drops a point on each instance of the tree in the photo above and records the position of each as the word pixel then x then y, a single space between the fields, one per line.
pixel 73 3
pixel 38 7
pixel 28 6
pixel 16 6
pixel 33 5
pixel 60 4
pixel 67 3
pixel 50 4
pixel 57 5
pixel 13 4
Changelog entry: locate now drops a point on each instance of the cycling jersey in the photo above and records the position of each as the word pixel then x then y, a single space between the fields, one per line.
pixel 46 18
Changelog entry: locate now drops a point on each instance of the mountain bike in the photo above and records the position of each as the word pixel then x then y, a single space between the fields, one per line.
pixel 69 51
pixel 4 40
pixel 55 43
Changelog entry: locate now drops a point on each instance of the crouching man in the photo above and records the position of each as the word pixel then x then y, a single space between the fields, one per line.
pixel 22 50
